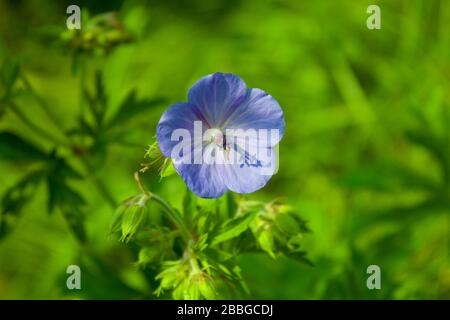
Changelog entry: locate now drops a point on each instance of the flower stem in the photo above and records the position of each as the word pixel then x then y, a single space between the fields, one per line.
pixel 169 211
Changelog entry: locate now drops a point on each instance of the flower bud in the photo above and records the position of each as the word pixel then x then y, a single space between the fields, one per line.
pixel 287 224
pixel 205 286
pixel 148 255
pixel 130 217
pixel 265 240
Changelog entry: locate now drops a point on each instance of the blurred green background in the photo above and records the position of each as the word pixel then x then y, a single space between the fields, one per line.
pixel 365 157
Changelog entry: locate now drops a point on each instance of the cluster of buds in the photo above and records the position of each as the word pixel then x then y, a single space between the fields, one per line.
pixel 277 228
pixel 187 280
pixel 99 35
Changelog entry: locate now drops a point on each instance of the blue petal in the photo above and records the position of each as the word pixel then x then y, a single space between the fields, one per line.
pixel 202 179
pixel 259 110
pixel 217 96
pixel 179 116
pixel 250 176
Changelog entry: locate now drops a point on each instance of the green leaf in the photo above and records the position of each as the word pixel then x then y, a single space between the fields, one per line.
pixel 64 197
pixel 202 243
pixel 265 240
pixel 287 224
pixel 97 103
pixel 75 219
pixel 437 146
pixel 9 73
pixel 59 168
pixel 233 228
pixel 132 107
pixel 83 128
pixel 14 148
pixel 299 256
pixel 15 199
pixel 61 194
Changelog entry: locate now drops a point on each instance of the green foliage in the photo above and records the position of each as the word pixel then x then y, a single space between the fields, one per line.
pixel 14 148
pixel 206 257
pixel 15 198
pixel 233 228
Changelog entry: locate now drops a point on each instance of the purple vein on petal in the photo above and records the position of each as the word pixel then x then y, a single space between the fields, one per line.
pixel 200 115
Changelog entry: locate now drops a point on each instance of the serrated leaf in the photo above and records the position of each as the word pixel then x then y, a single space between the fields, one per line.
pixel 233 228
pixel 15 198
pixel 58 167
pixel 83 128
pixel 64 197
pixel 15 148
pixel 61 194
pixel 299 256
pixel 132 107
pixel 75 219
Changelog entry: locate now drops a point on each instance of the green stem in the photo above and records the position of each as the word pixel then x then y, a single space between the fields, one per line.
pixel 169 211
pixel 173 215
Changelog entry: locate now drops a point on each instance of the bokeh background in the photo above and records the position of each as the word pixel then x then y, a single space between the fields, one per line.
pixel 365 157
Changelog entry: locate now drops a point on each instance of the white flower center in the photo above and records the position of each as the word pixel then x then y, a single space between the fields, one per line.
pixel 215 135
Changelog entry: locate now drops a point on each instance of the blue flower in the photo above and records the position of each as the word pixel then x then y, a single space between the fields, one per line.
pixel 223 138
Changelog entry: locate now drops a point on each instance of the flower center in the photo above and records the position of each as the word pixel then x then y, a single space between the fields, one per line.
pixel 216 136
